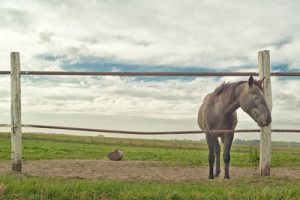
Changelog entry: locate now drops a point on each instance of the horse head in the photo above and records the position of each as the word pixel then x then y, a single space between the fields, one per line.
pixel 252 102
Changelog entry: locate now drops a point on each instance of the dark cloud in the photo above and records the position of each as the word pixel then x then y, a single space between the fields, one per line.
pixel 280 43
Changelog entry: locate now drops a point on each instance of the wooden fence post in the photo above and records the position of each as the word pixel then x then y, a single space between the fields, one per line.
pixel 265 132
pixel 16 124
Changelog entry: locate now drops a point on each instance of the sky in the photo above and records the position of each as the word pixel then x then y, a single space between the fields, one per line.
pixel 141 35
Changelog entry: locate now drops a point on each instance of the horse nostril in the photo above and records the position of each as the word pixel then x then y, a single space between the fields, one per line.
pixel 269 120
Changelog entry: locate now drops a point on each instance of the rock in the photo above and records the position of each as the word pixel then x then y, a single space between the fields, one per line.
pixel 116 155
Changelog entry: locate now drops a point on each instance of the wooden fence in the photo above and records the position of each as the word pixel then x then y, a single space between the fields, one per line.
pixel 16 122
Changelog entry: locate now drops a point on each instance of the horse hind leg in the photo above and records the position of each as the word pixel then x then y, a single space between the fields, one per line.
pixel 217 152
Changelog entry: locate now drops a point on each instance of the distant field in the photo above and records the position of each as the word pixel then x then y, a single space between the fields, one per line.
pixel 170 153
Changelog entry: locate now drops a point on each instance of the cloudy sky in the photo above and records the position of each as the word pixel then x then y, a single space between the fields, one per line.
pixel 141 35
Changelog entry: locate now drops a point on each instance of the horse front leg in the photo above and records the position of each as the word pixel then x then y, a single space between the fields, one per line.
pixel 211 155
pixel 211 160
pixel 217 151
pixel 226 154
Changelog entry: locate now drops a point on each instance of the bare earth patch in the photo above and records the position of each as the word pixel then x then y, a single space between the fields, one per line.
pixel 131 170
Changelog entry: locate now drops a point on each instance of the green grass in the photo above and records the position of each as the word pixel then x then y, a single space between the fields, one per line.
pixel 25 187
pixel 184 153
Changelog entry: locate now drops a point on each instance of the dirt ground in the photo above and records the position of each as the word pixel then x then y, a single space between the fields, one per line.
pixel 131 170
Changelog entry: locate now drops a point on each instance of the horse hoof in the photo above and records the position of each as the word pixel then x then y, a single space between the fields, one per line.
pixel 211 177
pixel 217 173
pixel 226 177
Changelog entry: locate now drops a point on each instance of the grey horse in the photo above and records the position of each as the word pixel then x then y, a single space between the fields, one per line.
pixel 218 112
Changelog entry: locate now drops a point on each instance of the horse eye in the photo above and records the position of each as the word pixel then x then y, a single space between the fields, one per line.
pixel 256 97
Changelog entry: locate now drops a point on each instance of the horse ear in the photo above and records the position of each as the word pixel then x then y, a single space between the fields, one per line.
pixel 260 82
pixel 250 81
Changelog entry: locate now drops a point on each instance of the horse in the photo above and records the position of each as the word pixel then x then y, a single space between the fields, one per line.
pixel 218 112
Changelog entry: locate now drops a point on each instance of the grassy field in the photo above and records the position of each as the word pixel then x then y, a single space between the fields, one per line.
pixel 178 153
pixel 24 187
pixel 184 153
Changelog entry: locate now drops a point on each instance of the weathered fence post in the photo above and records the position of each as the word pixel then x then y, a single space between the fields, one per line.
pixel 265 132
pixel 16 124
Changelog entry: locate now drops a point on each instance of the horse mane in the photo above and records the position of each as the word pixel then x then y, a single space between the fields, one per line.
pixel 226 91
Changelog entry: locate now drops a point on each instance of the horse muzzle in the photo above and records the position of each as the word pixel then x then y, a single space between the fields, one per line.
pixel 264 121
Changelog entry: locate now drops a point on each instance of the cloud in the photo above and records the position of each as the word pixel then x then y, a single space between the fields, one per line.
pixel 131 104
pixel 110 95
pixel 46 37
pixel 133 35
pixel 176 33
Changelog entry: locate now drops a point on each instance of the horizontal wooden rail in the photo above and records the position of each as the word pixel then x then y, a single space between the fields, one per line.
pixel 148 133
pixel 69 73
pixel 153 132
pixel 131 132
pixel 66 73
pixel 5 125
pixel 285 73
pixel 4 72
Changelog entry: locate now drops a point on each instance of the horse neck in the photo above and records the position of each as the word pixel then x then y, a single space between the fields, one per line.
pixel 231 107
pixel 233 104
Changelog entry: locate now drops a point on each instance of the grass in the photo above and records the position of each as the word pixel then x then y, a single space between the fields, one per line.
pixel 25 187
pixel 183 153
